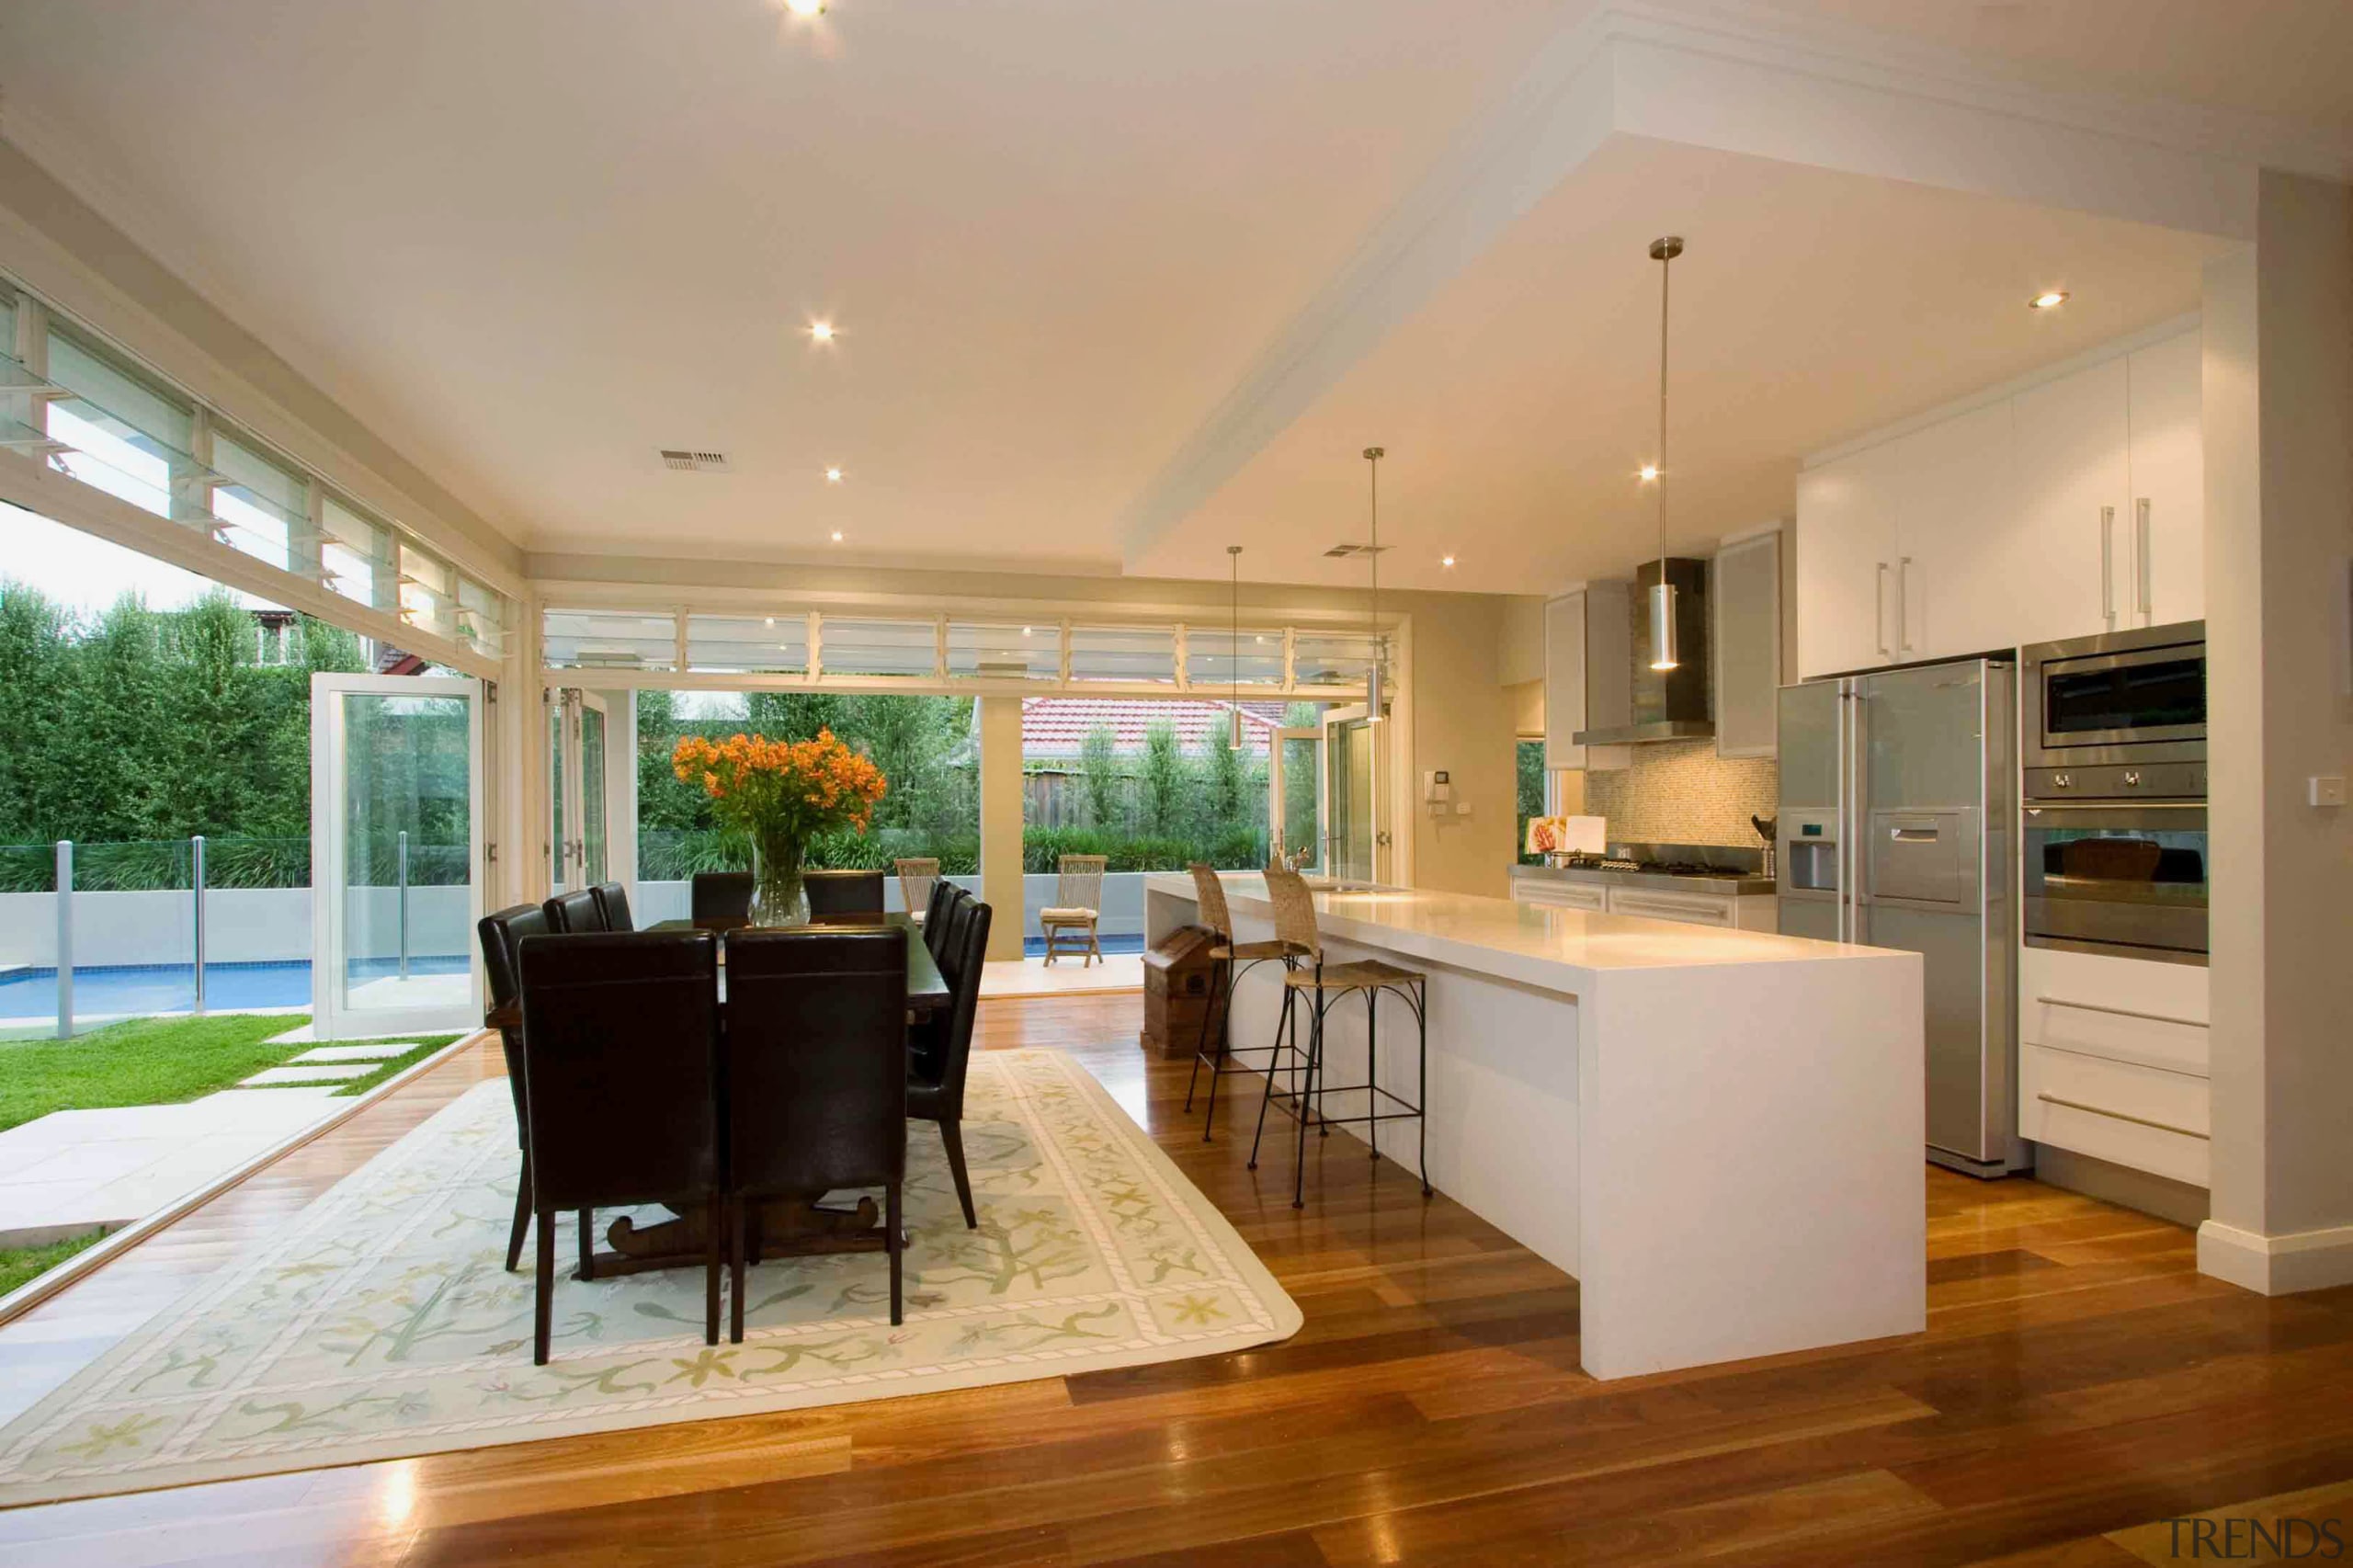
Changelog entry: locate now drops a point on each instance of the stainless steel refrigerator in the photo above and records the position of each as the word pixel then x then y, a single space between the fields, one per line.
pixel 1899 804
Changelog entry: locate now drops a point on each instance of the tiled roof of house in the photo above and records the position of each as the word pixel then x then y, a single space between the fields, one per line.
pixel 1057 726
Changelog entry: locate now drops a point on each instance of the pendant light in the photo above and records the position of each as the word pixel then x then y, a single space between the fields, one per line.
pixel 1373 713
pixel 1663 654
pixel 1234 650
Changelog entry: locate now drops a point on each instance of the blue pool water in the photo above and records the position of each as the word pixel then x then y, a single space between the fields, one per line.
pixel 114 990
pixel 106 990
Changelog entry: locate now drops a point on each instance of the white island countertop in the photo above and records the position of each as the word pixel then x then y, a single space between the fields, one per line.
pixel 1560 950
pixel 1721 1133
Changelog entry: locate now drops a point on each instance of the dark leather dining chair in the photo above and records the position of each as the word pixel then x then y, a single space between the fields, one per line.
pixel 845 896
pixel 620 1038
pixel 936 1080
pixel 575 914
pixel 720 895
pixel 940 923
pixel 612 900
pixel 499 933
pixel 816 1073
pixel 942 889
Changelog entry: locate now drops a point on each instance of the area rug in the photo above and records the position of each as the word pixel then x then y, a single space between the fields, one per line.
pixel 382 1321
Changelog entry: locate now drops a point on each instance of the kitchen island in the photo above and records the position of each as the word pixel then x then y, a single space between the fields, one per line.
pixel 1717 1132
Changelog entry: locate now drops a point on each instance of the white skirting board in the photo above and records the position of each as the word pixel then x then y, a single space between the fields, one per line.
pixel 2277 1265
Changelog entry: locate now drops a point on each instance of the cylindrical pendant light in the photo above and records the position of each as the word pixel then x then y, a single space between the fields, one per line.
pixel 1234 650
pixel 1665 656
pixel 1373 694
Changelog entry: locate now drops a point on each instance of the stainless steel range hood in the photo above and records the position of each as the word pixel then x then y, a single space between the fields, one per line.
pixel 1658 705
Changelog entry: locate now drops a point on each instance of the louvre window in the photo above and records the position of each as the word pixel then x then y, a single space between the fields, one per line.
pixel 1136 655
pixel 606 638
pixel 122 436
pixel 1009 651
pixel 260 506
pixel 1330 658
pixel 748 644
pixel 1215 657
pixel 855 647
pixel 482 618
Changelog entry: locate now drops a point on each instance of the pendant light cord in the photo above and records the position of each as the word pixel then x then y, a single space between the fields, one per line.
pixel 1666 270
pixel 1372 459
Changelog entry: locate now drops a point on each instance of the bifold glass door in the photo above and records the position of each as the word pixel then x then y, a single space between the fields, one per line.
pixel 1352 831
pixel 1295 810
pixel 578 820
pixel 396 854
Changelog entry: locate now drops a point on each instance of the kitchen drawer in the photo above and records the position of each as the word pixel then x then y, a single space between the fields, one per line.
pixel 1591 897
pixel 2142 1117
pixel 1656 904
pixel 2127 1010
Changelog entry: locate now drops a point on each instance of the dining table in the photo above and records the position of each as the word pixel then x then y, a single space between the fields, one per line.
pixel 795 1225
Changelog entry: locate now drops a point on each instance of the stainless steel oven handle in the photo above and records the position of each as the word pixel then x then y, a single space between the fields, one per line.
pixel 2120 1012
pixel 2039 807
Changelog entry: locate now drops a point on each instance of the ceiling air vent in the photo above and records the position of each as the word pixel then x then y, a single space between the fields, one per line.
pixel 694 463
pixel 1343 551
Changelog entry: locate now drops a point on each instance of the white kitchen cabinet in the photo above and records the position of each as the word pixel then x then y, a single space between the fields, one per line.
pixel 1568 687
pixel 2168 483
pixel 1958 541
pixel 1591 897
pixel 2114 1055
pixel 1745 597
pixel 2070 507
pixel 2072 469
pixel 1847 555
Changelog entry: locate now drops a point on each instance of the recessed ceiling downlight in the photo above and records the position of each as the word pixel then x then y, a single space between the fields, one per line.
pixel 809 9
pixel 2049 300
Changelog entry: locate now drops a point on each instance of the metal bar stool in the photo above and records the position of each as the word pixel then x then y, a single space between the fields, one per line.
pixel 1234 960
pixel 1295 923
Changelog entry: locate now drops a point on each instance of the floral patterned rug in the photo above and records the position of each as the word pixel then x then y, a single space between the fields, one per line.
pixel 383 1323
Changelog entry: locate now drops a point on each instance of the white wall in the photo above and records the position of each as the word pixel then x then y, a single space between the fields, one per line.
pixel 2279 395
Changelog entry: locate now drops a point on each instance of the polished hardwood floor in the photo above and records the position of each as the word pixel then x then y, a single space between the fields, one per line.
pixel 2080 1384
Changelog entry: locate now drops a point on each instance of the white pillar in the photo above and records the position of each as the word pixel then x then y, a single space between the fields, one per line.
pixel 2279 427
pixel 1001 823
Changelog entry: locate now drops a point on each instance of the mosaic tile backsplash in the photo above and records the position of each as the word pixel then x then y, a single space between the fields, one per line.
pixel 1682 793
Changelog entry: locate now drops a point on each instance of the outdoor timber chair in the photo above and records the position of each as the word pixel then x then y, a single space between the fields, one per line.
pixel 1077 908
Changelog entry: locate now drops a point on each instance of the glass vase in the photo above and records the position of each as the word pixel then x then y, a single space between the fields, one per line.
pixel 779 895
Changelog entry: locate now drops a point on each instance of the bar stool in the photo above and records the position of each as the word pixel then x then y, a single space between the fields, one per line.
pixel 1295 923
pixel 1234 960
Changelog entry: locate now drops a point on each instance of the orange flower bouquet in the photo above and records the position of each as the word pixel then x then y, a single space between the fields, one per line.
pixel 781 793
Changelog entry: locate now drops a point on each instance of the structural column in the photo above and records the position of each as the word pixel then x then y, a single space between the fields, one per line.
pixel 2278 421
pixel 1001 797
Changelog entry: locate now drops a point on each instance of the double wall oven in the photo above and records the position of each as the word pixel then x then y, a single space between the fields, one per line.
pixel 2114 811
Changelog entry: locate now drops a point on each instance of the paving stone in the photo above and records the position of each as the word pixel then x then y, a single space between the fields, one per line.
pixel 318 1072
pixel 363 1051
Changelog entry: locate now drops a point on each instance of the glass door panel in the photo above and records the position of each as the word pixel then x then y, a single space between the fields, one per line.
pixel 1295 803
pixel 396 841
pixel 577 817
pixel 1351 831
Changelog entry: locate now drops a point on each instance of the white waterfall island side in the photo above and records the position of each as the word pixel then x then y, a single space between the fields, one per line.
pixel 1719 1133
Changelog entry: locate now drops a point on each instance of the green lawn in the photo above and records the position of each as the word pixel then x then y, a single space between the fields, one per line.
pixel 156 1062
pixel 19 1265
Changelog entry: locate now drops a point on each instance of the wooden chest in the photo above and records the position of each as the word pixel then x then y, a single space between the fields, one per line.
pixel 1176 989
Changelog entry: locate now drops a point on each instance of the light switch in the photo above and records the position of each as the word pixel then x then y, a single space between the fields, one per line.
pixel 2328 789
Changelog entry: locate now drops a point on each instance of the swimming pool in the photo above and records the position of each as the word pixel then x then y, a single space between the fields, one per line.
pixel 29 995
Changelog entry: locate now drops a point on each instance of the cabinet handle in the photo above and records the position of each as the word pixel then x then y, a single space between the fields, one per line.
pixel 1904 603
pixel 2120 1115
pixel 2118 1012
pixel 2141 555
pixel 1878 611
pixel 2108 565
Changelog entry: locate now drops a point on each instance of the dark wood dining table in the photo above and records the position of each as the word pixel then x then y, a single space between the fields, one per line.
pixel 776 1227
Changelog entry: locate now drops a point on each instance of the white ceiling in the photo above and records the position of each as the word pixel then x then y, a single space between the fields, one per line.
pixel 1516 406
pixel 532 242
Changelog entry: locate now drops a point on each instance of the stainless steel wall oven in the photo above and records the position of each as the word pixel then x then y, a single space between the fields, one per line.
pixel 2113 835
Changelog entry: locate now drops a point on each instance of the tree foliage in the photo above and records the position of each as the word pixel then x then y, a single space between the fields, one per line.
pixel 144 724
